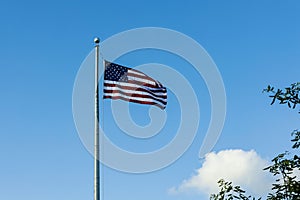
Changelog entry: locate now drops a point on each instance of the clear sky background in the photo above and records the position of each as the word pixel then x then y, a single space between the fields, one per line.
pixel 43 44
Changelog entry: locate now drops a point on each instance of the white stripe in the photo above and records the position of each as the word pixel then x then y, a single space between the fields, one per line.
pixel 133 78
pixel 137 92
pixel 137 73
pixel 142 74
pixel 135 98
pixel 131 85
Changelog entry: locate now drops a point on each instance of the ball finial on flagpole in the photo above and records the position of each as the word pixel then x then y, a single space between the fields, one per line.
pixel 97 40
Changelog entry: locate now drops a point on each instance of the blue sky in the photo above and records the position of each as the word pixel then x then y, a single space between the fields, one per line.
pixel 44 43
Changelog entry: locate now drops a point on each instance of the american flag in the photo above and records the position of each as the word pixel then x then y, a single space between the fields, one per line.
pixel 132 85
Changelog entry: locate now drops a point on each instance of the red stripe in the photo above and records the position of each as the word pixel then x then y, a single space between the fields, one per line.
pixel 133 95
pixel 142 83
pixel 140 76
pixel 153 92
pixel 134 101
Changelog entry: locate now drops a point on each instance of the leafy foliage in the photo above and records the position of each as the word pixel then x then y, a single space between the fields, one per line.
pixel 284 165
pixel 287 186
pixel 289 96
pixel 227 191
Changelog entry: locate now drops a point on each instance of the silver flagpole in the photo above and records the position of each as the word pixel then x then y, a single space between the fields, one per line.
pixel 96 137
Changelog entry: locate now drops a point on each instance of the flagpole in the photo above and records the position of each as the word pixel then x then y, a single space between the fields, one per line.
pixel 96 136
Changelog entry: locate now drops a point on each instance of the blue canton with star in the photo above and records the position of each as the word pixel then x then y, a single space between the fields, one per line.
pixel 114 72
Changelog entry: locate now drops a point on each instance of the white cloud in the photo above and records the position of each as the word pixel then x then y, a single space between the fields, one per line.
pixel 244 168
